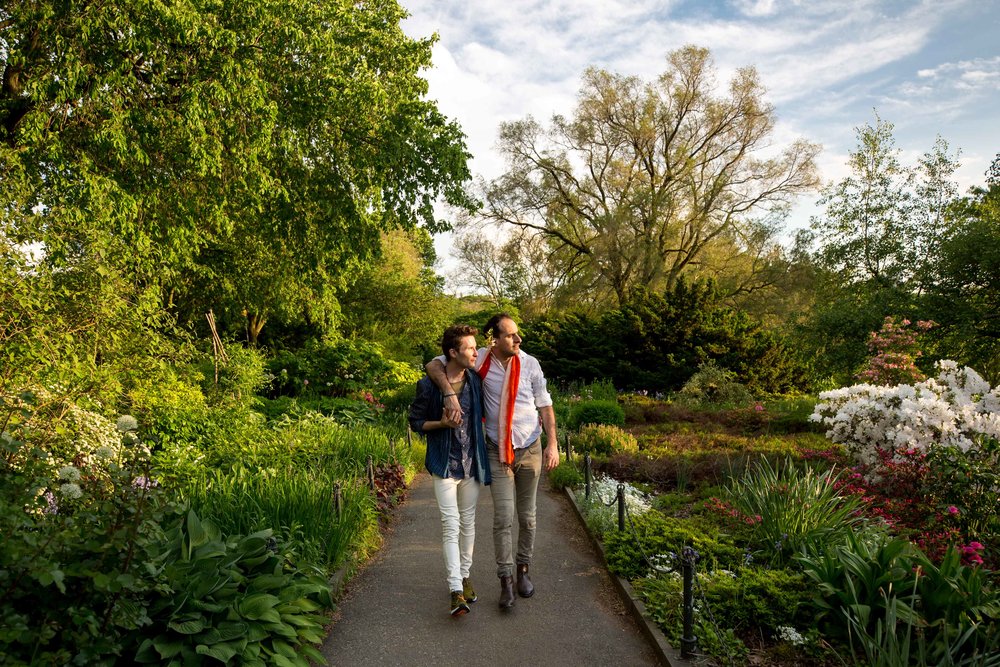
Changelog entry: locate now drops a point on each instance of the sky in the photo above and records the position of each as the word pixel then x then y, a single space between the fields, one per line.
pixel 930 67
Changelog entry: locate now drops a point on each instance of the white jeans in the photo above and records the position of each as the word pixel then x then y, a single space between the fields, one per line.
pixel 456 498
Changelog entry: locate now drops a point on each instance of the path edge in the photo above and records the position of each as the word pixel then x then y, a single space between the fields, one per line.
pixel 667 655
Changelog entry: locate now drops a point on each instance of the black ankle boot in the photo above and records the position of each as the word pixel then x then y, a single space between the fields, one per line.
pixel 506 592
pixel 524 587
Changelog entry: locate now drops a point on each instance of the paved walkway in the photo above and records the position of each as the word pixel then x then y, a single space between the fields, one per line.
pixel 395 611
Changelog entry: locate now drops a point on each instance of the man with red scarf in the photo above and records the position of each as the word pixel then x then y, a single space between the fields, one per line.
pixel 517 407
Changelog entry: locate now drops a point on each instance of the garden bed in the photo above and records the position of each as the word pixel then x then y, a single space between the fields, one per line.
pixel 794 538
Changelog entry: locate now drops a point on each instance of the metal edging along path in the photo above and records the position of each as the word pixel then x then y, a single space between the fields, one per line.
pixel 667 654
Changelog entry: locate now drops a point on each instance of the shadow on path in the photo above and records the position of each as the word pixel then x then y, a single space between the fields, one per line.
pixel 396 611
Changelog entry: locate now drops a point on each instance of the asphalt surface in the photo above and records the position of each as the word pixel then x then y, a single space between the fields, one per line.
pixel 395 612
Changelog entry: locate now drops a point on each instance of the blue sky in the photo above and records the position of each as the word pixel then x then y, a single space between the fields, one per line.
pixel 928 67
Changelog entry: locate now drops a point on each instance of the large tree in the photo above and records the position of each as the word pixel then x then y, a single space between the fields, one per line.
pixel 247 152
pixel 883 222
pixel 646 177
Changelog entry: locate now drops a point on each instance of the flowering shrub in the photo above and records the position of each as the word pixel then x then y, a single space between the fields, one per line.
pixel 951 410
pixel 80 536
pixel 61 432
pixel 895 349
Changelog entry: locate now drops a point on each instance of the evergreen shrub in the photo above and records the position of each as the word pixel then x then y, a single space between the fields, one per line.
pixel 596 412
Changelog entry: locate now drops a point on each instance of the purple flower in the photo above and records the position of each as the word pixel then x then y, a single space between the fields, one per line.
pixel 143 482
pixel 53 504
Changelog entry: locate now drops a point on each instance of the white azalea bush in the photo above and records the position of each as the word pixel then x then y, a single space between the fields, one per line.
pixel 955 409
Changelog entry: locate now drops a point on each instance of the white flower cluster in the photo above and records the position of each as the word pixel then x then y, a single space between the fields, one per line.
pixel 791 635
pixel 606 490
pixel 950 410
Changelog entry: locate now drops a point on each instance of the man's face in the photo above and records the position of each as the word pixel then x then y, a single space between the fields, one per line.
pixel 507 342
pixel 465 354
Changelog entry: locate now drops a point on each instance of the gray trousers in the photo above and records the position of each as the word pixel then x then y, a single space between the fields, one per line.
pixel 514 489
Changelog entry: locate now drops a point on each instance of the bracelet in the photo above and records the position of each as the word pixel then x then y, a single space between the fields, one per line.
pixel 448 395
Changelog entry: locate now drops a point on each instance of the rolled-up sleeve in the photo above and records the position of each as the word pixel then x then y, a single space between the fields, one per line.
pixel 539 387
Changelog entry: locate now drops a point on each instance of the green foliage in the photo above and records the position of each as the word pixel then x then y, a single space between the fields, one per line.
pixel 659 536
pixel 967 269
pixel 872 586
pixel 792 509
pixel 712 385
pixel 747 598
pixel 295 502
pixel 142 165
pixel 232 599
pixel 337 369
pixel 596 412
pixel 397 301
pixel 604 440
pixel 239 378
pixel 657 342
pixel 566 474
pixel 80 543
pixel 969 481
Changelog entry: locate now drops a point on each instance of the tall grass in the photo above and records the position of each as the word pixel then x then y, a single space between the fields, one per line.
pixel 320 443
pixel 297 503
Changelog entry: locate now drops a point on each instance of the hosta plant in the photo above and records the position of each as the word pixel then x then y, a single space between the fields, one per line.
pixel 232 600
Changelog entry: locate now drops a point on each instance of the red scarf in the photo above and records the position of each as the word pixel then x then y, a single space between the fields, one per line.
pixel 508 395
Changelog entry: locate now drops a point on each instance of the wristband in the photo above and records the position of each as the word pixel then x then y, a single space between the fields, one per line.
pixel 448 395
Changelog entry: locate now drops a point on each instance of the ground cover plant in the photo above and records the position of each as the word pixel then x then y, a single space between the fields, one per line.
pixel 789 526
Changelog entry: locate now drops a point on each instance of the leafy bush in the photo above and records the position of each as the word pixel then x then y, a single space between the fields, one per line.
pixel 241 377
pixel 596 412
pixel 567 473
pixel 659 536
pixel 747 598
pixel 604 440
pixel 337 369
pixel 967 481
pixel 790 508
pixel 713 385
pixel 233 599
pixel 80 544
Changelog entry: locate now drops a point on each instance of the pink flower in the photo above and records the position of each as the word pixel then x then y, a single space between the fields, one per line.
pixel 759 407
pixel 952 510
pixel 977 546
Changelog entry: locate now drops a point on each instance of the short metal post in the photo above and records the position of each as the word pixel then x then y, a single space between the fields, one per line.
pixel 338 501
pixel 688 641
pixel 409 437
pixel 569 448
pixel 621 507
pixel 371 472
pixel 586 474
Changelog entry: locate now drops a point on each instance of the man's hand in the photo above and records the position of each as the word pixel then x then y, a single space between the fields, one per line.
pixel 452 411
pixel 448 422
pixel 551 455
